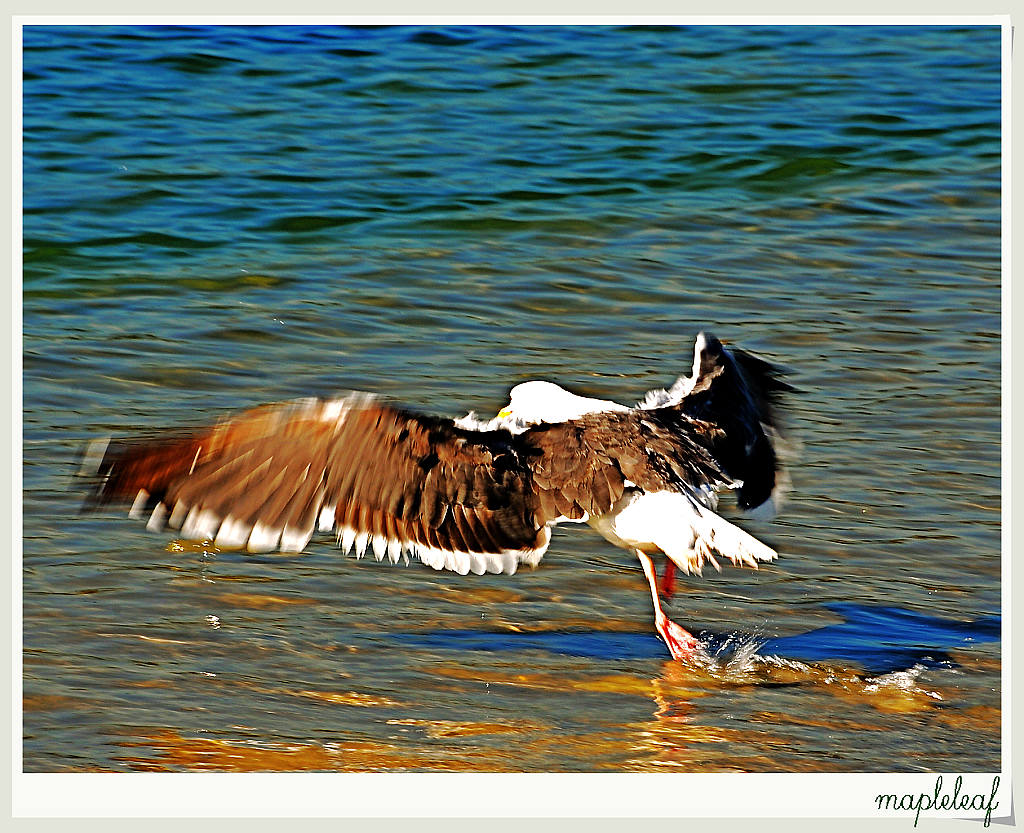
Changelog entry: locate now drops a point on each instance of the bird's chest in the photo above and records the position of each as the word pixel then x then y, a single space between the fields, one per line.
pixel 640 519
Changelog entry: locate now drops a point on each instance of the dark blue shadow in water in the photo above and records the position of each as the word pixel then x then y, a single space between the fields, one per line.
pixel 596 644
pixel 878 639
pixel 884 639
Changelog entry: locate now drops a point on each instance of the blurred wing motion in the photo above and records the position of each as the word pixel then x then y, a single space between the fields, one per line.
pixel 381 478
pixel 466 495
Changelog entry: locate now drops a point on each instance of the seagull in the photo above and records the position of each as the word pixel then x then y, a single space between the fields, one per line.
pixel 471 495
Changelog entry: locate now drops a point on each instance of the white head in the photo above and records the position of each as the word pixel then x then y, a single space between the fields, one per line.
pixel 531 403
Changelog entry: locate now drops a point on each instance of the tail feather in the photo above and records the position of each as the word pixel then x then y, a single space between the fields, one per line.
pixel 717 534
pixel 714 534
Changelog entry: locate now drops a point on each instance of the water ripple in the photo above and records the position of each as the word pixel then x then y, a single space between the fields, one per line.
pixel 215 217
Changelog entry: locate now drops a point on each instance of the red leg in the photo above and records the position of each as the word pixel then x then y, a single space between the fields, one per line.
pixel 680 642
pixel 668 579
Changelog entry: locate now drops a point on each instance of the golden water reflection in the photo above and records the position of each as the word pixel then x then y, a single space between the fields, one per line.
pixel 700 719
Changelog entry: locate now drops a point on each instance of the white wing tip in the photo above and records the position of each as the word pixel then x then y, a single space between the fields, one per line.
pixel 295 540
pixel 200 525
pixel 325 521
pixel 92 459
pixel 263 538
pixel 158 519
pixel 506 562
pixel 233 534
pixel 137 512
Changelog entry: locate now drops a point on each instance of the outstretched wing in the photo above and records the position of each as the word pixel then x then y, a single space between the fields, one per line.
pixel 716 429
pixel 583 467
pixel 648 477
pixel 382 478
pixel 739 393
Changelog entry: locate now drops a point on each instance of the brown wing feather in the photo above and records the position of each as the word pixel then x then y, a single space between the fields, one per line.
pixel 575 465
pixel 410 481
pixel 583 465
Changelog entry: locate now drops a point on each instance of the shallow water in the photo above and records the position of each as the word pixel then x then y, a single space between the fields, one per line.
pixel 221 217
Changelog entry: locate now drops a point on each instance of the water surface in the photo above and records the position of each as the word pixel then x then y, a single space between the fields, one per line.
pixel 218 217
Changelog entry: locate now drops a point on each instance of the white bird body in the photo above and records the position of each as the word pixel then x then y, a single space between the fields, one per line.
pixel 682 525
pixel 471 495
pixel 679 526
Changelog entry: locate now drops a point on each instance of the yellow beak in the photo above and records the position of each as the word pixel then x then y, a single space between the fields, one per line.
pixel 504 412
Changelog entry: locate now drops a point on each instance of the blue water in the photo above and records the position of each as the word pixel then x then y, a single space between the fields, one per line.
pixel 879 640
pixel 218 217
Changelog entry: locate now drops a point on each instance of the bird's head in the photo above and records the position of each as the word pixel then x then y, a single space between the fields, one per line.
pixel 532 403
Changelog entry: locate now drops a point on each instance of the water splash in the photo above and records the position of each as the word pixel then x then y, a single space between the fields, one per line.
pixel 732 657
pixel 900 681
